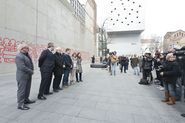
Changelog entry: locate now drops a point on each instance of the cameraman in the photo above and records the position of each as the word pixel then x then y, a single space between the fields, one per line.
pixel 170 73
pixel 158 65
pixel 181 60
pixel 147 68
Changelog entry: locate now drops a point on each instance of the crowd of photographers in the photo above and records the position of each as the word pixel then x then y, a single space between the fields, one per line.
pixel 169 68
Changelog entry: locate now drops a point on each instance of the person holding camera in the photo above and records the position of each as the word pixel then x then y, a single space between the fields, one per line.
pixel 170 73
pixel 147 65
pixel 158 61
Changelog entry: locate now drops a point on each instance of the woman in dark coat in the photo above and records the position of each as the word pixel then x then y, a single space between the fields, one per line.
pixel 170 73
pixel 79 68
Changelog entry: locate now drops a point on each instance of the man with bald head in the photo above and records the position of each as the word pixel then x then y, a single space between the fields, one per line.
pixel 23 76
pixel 58 70
pixel 46 64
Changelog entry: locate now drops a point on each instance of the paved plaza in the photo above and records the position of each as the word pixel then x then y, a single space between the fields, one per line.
pixel 101 98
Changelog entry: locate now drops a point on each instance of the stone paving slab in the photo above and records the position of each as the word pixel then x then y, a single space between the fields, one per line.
pixel 101 98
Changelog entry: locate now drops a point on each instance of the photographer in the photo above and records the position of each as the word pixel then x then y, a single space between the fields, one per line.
pixel 147 68
pixel 181 60
pixel 158 67
pixel 170 73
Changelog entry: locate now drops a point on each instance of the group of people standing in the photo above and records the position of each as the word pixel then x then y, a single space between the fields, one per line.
pixel 124 63
pixel 113 61
pixel 167 74
pixel 58 65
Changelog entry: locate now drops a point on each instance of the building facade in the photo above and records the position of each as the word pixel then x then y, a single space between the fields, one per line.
pixel 124 23
pixel 174 39
pixel 37 22
pixel 151 44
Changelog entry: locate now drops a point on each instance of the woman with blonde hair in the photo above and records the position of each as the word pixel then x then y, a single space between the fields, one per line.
pixel 79 68
pixel 170 73
pixel 73 70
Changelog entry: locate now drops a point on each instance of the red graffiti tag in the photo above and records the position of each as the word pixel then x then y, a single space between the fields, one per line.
pixel 8 50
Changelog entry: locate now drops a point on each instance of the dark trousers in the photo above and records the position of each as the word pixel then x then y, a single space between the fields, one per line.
pixel 159 78
pixel 46 78
pixel 78 77
pixel 125 68
pixel 121 68
pixel 147 73
pixel 57 81
pixel 110 68
pixel 66 76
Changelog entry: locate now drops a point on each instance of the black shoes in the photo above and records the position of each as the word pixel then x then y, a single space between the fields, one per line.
pixel 23 107
pixel 79 81
pixel 49 93
pixel 143 83
pixel 55 90
pixel 183 115
pixel 60 88
pixel 29 102
pixel 41 97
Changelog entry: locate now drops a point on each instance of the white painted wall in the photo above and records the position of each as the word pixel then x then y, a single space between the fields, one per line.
pixel 125 43
pixel 54 21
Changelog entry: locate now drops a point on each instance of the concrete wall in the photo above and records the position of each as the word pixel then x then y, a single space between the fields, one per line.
pixel 38 22
pixel 125 43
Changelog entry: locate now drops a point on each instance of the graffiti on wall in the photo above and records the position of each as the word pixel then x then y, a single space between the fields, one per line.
pixel 8 50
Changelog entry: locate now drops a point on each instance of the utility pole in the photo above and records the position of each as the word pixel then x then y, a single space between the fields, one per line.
pixel 103 39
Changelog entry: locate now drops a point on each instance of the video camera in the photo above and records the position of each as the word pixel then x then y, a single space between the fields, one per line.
pixel 180 54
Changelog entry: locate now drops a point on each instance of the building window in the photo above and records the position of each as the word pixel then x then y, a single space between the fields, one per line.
pixel 79 10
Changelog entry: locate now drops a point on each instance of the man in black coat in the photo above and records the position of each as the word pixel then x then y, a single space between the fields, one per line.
pixel 68 65
pixel 58 70
pixel 46 64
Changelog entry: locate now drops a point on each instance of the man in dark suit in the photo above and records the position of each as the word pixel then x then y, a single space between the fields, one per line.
pixel 58 70
pixel 46 64
pixel 68 65
pixel 23 76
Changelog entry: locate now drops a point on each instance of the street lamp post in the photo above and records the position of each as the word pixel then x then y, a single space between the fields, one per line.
pixel 103 39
